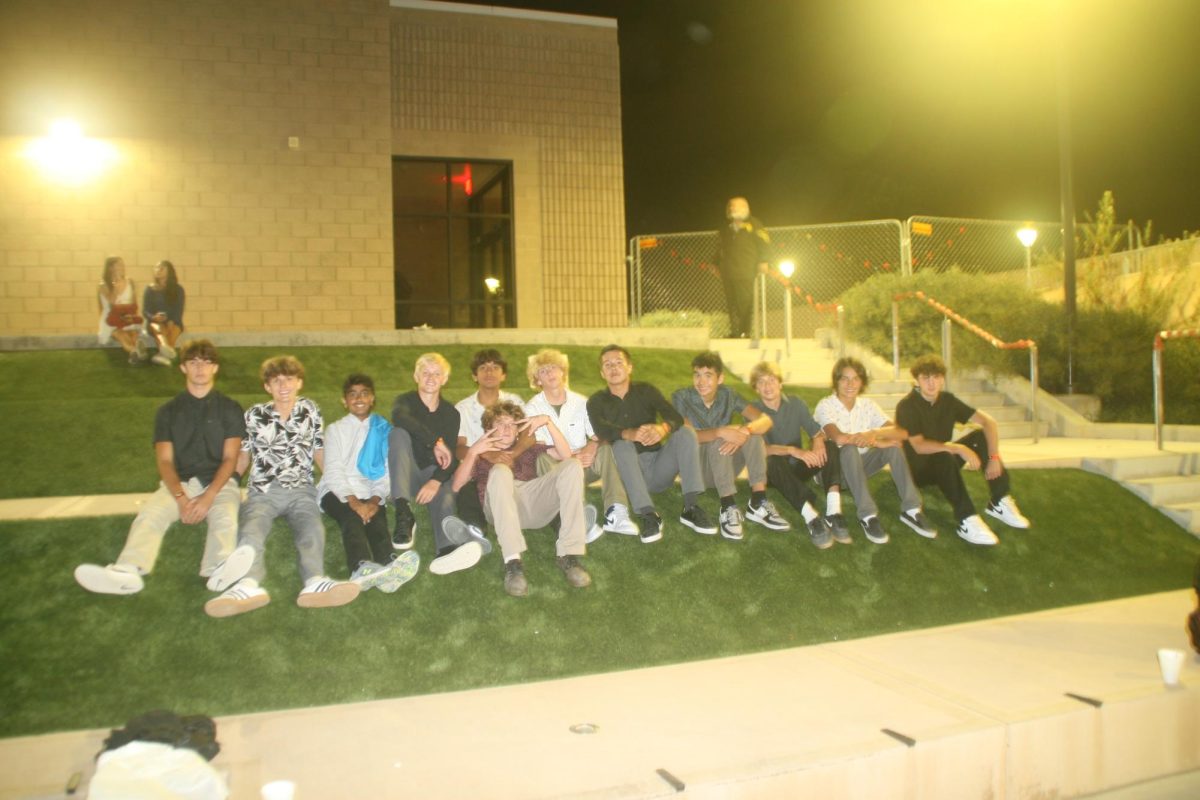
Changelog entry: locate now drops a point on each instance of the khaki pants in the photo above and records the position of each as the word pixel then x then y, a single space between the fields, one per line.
pixel 160 511
pixel 511 505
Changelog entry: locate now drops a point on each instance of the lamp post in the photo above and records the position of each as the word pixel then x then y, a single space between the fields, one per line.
pixel 1028 235
pixel 787 268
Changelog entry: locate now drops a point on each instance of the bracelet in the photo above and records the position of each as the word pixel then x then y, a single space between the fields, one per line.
pixel 994 457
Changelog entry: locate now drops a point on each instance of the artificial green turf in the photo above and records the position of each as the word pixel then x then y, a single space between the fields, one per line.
pixel 69 659
pixel 82 422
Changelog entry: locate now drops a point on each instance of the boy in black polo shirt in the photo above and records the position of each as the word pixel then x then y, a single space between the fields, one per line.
pixel 929 413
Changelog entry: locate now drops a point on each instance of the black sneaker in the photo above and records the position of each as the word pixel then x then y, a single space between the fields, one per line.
pixel 874 530
pixel 820 533
pixel 514 579
pixel 402 537
pixel 651 527
pixel 917 521
pixel 697 520
pixel 839 528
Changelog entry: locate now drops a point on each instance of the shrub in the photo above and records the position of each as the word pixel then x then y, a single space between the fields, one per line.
pixel 717 322
pixel 1111 356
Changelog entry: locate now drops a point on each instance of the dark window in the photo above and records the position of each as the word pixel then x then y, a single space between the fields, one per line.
pixel 452 222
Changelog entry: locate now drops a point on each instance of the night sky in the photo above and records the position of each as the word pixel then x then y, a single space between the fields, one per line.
pixel 853 109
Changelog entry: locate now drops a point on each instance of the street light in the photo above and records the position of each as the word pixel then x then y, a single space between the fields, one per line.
pixel 1028 235
pixel 787 268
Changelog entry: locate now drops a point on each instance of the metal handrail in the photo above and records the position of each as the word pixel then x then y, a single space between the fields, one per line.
pixel 949 315
pixel 1160 341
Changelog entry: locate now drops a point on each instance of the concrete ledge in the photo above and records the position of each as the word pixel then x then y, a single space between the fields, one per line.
pixel 692 339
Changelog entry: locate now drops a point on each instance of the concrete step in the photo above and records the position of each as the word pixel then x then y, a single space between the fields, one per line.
pixel 1014 430
pixel 1167 491
pixel 1186 514
pixel 1126 469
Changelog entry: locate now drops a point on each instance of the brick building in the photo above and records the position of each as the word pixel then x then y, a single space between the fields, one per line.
pixel 316 164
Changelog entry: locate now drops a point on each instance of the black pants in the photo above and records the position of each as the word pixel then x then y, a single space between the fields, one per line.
pixel 739 294
pixel 790 477
pixel 362 541
pixel 943 470
pixel 468 507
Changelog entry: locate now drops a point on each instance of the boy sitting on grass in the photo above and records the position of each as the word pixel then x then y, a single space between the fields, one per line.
pixel 354 489
pixel 708 406
pixel 197 435
pixel 284 438
pixel 514 497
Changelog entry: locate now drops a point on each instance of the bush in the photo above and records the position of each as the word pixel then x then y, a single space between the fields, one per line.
pixel 717 322
pixel 1112 346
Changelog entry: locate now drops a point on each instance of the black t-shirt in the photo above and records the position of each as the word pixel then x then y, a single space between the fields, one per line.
pixel 933 421
pixel 197 427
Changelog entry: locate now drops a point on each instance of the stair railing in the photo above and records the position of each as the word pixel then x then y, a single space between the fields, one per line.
pixel 950 316
pixel 1160 341
pixel 789 290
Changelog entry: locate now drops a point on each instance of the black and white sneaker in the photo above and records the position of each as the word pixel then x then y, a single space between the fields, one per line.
pixel 697 520
pixel 651 527
pixel 839 528
pixel 731 523
pixel 916 520
pixel 616 520
pixel 874 530
pixel 820 534
pixel 402 537
pixel 768 516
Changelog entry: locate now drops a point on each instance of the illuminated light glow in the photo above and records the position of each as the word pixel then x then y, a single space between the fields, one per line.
pixel 1027 236
pixel 787 268
pixel 492 284
pixel 66 156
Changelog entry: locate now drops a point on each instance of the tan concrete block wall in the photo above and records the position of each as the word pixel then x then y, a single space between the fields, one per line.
pixel 462 81
pixel 199 99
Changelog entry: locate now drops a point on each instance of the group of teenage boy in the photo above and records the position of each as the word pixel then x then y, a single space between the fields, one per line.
pixel 493 459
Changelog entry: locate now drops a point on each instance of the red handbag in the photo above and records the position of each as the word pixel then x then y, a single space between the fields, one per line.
pixel 123 314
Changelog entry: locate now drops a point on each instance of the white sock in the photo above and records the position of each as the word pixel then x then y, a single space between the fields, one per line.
pixel 833 502
pixel 809 512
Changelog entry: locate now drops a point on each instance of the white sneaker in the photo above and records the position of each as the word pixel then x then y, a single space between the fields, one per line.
pixel 731 523
pixel 1007 512
pixel 245 595
pixel 974 530
pixel 617 520
pixel 594 531
pixel 160 359
pixel 462 557
pixel 113 579
pixel 323 592
pixel 168 351
pixel 232 569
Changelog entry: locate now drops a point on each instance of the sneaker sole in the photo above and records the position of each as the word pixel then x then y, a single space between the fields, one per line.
pixel 651 539
pixel 732 535
pixel 98 580
pixel 232 569
pixel 697 528
pixel 1010 524
pixel 771 526
pixel 464 557
pixel 221 607
pixel 338 595
pixel 406 546
pixel 592 535
pixel 630 530
pixel 402 573
pixel 928 534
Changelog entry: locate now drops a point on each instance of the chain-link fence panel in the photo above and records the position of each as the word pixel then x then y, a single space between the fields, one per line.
pixel 1025 252
pixel 675 282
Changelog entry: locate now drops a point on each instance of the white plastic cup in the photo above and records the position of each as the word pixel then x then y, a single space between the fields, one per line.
pixel 1170 661
pixel 278 790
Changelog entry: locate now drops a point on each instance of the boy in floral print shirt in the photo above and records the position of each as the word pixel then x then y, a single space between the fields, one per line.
pixel 284 438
